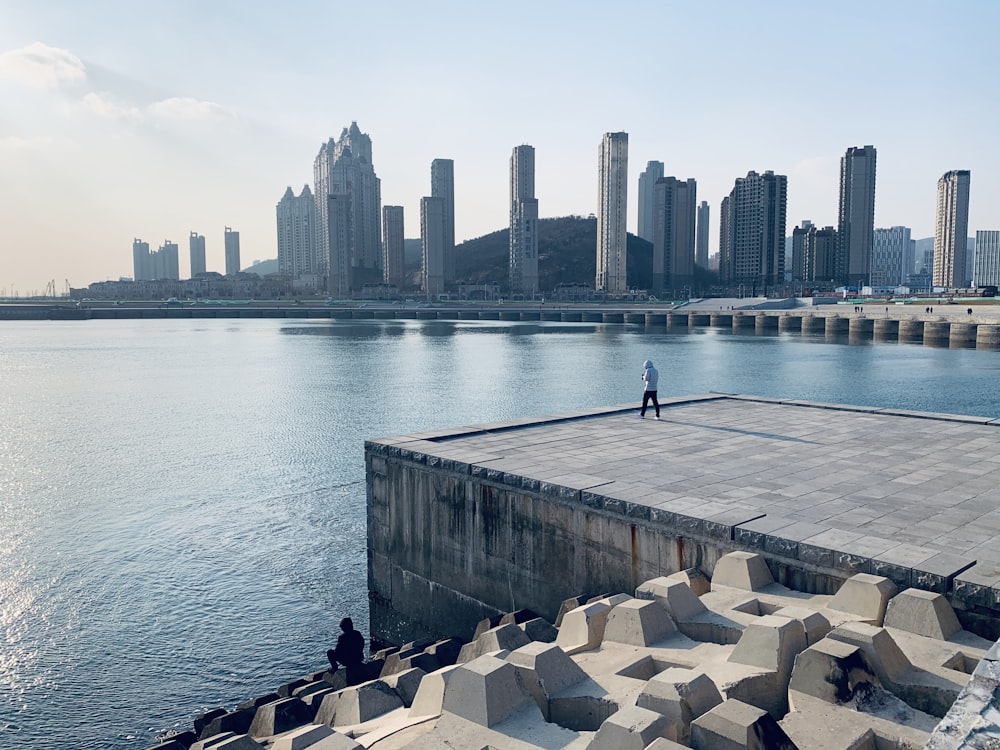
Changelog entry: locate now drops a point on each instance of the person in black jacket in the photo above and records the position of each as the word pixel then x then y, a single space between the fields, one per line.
pixel 350 652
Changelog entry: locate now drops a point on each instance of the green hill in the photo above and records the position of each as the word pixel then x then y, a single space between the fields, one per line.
pixel 567 254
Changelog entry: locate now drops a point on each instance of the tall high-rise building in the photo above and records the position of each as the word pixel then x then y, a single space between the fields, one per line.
pixel 856 216
pixel 951 228
pixel 674 207
pixel 647 206
pixel 752 232
pixel 141 269
pixel 344 167
pixel 164 262
pixel 432 244
pixel 701 246
pixel 612 235
pixel 232 246
pixel 890 249
pixel 443 187
pixel 987 271
pixel 393 258
pixel 296 220
pixel 822 256
pixel 800 245
pixel 196 247
pixel 337 240
pixel 523 221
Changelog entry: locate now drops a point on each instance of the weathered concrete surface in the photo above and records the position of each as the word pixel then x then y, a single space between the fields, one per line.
pixel 468 523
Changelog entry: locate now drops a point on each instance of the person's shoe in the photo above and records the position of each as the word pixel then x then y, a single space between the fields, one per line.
pixel 640 415
pixel 657 417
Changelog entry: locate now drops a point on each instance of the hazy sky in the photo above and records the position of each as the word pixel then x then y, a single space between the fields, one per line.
pixel 149 119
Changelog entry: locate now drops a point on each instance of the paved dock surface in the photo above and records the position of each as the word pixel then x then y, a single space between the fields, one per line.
pixel 909 495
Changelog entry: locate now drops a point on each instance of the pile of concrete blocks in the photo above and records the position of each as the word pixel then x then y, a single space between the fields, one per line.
pixel 737 661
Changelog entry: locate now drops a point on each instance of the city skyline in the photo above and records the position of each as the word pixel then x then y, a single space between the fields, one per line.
pixel 143 142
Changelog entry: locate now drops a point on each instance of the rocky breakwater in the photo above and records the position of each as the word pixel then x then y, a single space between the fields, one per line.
pixel 737 661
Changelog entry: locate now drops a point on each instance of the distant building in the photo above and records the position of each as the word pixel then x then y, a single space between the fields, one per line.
pixel 344 167
pixel 443 187
pixel 890 251
pixel 674 209
pixel 647 184
pixel 296 222
pixel 141 268
pixel 856 216
pixel 393 257
pixel 523 221
pixel 752 232
pixel 339 225
pixel 701 242
pixel 196 247
pixel 951 229
pixel 432 244
pixel 987 271
pixel 165 263
pixel 232 245
pixel 821 260
pixel 612 235
pixel 800 240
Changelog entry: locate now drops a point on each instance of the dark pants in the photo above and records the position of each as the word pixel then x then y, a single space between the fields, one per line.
pixel 646 396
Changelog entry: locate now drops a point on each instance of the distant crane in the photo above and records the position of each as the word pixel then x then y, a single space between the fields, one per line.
pixel 68 289
pixel 50 289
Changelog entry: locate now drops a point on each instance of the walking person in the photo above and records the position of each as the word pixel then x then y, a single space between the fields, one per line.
pixel 650 376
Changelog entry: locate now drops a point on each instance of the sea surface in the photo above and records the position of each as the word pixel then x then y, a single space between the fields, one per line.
pixel 182 502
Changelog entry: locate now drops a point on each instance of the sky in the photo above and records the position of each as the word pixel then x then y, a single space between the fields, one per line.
pixel 149 119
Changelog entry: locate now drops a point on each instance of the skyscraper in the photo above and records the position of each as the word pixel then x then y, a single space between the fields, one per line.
pixel 987 271
pixel 393 259
pixel 196 246
pixel 701 248
pixel 890 249
pixel 432 244
pixel 141 270
pixel 344 167
pixel 800 246
pixel 856 216
pixel 232 245
pixel 443 187
pixel 673 234
pixel 647 206
pixel 752 232
pixel 523 221
pixel 296 220
pixel 612 236
pixel 951 228
pixel 164 262
pixel 337 240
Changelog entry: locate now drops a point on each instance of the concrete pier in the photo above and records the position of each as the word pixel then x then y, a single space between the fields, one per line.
pixel 470 522
pixel 699 319
pixel 766 324
pixel 813 324
pixel 885 329
pixel 987 336
pixel 836 326
pixel 936 332
pixel 962 336
pixel 911 331
pixel 861 328
pixel 744 322
pixel 721 320
pixel 787 323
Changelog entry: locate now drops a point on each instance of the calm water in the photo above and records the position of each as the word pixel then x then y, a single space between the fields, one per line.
pixel 182 518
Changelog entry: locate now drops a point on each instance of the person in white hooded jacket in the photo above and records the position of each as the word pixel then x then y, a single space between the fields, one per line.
pixel 650 377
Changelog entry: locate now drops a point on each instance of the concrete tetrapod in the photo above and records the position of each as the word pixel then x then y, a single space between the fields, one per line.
pixel 689 613
pixel 638 623
pixel 486 691
pixel 630 728
pixel 734 725
pixel 681 695
pixel 771 643
pixel 742 570
pixel 922 612
pixel 545 670
pixel 864 595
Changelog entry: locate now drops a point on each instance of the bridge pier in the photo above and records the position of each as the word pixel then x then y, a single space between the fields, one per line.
pixel 936 332
pixel 962 336
pixel 789 322
pixel 987 336
pixel 886 329
pixel 764 323
pixel 836 326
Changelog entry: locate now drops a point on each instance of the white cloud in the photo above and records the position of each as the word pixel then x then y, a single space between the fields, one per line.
pixel 42 66
pixel 104 106
pixel 16 143
pixel 186 108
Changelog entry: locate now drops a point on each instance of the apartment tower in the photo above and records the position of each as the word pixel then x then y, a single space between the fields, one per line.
pixel 647 185
pixel 890 251
pixel 432 244
pixel 344 168
pixel 701 242
pixel 232 245
pixel 296 219
pixel 443 187
pixel 141 270
pixel 196 249
pixel 393 259
pixel 612 235
pixel 987 272
pixel 523 222
pixel 674 211
pixel 752 232
pixel 856 215
pixel 951 228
